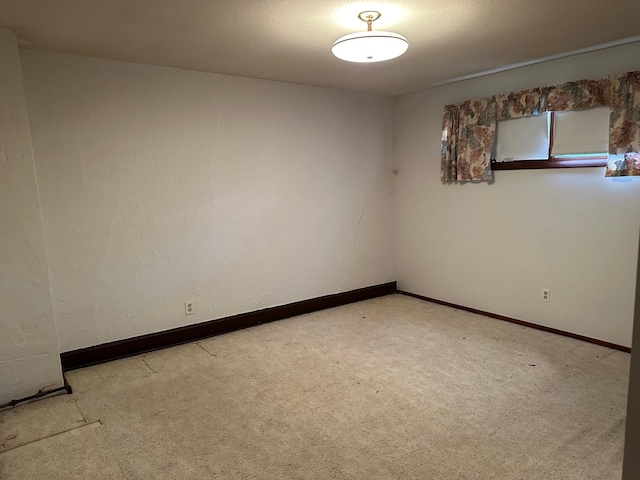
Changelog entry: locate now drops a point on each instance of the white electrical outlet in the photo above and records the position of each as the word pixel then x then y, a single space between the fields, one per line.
pixel 188 308
pixel 546 294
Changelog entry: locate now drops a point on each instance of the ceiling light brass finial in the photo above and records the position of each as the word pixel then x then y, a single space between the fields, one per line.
pixel 369 16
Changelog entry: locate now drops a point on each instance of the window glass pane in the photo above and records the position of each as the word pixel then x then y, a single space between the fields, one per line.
pixel 523 139
pixel 581 132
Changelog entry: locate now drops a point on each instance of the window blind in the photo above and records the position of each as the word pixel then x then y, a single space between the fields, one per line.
pixel 524 138
pixel 581 132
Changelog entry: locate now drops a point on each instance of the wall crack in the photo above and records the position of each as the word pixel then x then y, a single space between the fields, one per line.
pixel 355 233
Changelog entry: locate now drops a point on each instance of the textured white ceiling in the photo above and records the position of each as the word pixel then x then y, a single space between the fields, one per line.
pixel 290 40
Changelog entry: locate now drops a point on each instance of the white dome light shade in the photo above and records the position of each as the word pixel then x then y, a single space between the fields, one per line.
pixel 372 46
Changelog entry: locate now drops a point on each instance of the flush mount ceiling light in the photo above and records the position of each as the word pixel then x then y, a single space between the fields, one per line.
pixel 369 46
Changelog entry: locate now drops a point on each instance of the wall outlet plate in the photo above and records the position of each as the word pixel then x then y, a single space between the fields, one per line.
pixel 188 308
pixel 546 295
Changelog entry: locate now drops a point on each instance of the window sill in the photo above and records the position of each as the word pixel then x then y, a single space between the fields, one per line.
pixel 553 163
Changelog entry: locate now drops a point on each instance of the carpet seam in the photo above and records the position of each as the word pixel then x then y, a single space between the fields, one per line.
pixel 50 436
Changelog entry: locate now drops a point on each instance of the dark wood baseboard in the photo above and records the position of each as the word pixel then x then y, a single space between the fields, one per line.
pixel 521 322
pixel 168 338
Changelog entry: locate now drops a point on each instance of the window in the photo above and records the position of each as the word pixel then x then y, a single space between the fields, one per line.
pixel 575 138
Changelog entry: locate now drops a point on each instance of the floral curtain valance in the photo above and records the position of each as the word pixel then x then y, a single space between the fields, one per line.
pixel 469 128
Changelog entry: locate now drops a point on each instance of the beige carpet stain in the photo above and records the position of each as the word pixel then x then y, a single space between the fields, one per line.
pixel 391 388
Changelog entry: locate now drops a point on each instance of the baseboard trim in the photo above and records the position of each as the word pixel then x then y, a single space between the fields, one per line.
pixel 520 322
pixel 168 338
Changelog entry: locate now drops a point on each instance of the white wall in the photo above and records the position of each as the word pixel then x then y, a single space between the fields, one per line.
pixel 29 358
pixel 161 185
pixel 494 247
pixel 631 470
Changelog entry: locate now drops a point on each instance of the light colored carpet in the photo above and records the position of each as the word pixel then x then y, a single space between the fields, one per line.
pixel 391 388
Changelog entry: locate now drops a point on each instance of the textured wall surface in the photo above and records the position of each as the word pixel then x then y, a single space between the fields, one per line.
pixel 494 247
pixel 632 441
pixel 160 186
pixel 28 346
